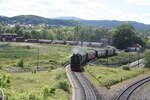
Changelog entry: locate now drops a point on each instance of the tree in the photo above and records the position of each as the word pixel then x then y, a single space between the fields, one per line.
pixel 18 30
pixel 147 58
pixel 125 36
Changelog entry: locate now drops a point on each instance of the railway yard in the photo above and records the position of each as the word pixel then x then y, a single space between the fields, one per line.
pixel 98 81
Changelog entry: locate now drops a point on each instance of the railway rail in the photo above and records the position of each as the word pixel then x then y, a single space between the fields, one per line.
pixel 126 94
pixel 82 87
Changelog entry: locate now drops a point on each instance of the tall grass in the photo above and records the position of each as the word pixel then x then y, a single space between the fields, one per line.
pixel 106 76
pixel 52 85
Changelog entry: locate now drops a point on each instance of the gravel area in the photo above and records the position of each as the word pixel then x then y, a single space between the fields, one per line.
pixel 142 93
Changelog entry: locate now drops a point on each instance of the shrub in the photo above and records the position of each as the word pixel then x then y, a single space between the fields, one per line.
pixel 45 92
pixel 4 80
pixel 126 68
pixel 33 97
pixel 20 63
pixel 52 90
pixel 63 85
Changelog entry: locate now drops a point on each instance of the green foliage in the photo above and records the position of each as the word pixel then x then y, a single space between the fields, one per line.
pixel 52 88
pixel 62 85
pixel 51 56
pixel 21 63
pixel 122 58
pixel 126 68
pixel 107 76
pixel 147 58
pixel 24 96
pixel 4 80
pixel 45 92
pixel 125 36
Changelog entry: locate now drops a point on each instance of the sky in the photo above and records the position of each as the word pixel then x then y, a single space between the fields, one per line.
pixel 124 10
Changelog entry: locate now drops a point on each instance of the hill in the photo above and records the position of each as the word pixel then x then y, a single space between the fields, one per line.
pixel 113 23
pixel 69 21
pixel 32 19
pixel 68 18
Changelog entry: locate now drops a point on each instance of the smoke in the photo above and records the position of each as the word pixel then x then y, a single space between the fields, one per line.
pixel 79 49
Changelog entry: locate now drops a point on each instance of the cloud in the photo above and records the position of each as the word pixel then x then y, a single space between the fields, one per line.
pixel 87 9
pixel 140 2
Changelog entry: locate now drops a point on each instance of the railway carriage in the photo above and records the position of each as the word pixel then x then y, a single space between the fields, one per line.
pixel 100 53
pixel 58 42
pixel 72 42
pixel 91 55
pixel 32 40
pixel 45 41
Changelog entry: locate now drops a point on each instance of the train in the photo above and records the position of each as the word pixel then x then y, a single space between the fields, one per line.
pixel 43 41
pixel 79 59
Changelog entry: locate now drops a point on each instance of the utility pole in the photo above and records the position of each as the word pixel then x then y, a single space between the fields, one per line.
pixel 107 60
pixel 129 58
pixel 138 58
pixel 38 56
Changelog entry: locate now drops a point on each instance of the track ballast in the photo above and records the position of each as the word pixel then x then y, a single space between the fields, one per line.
pixel 126 94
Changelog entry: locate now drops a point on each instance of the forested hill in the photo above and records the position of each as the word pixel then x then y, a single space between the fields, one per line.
pixel 68 21
pixel 32 19
pixel 113 23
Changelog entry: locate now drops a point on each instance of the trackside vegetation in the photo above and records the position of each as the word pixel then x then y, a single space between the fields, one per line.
pixel 108 76
pixel 44 85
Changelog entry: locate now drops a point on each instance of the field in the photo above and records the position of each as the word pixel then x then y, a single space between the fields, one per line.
pixel 34 85
pixel 122 58
pixel 49 56
pixel 47 85
pixel 108 76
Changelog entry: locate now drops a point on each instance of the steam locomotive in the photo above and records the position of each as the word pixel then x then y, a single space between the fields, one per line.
pixel 80 59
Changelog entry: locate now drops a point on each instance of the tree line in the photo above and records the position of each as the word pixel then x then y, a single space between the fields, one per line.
pixel 121 37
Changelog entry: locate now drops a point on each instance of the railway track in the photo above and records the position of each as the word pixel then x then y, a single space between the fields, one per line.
pixel 82 87
pixel 126 94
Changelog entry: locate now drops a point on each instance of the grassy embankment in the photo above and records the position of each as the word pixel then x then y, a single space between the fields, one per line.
pixel 107 76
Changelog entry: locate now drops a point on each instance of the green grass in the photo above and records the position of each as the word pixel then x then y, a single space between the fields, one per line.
pixel 44 85
pixel 106 76
pixel 122 58
pixel 22 85
pixel 49 56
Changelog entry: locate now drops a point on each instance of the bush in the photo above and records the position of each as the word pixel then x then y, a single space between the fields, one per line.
pixel 4 80
pixel 52 90
pixel 45 92
pixel 21 63
pixel 126 68
pixel 63 85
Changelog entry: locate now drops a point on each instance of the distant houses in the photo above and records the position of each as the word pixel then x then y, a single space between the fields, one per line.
pixel 134 48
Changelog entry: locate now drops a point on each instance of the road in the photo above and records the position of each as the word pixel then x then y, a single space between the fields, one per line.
pixel 82 87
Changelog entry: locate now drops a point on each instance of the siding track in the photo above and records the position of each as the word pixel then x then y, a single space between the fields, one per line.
pixel 126 94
